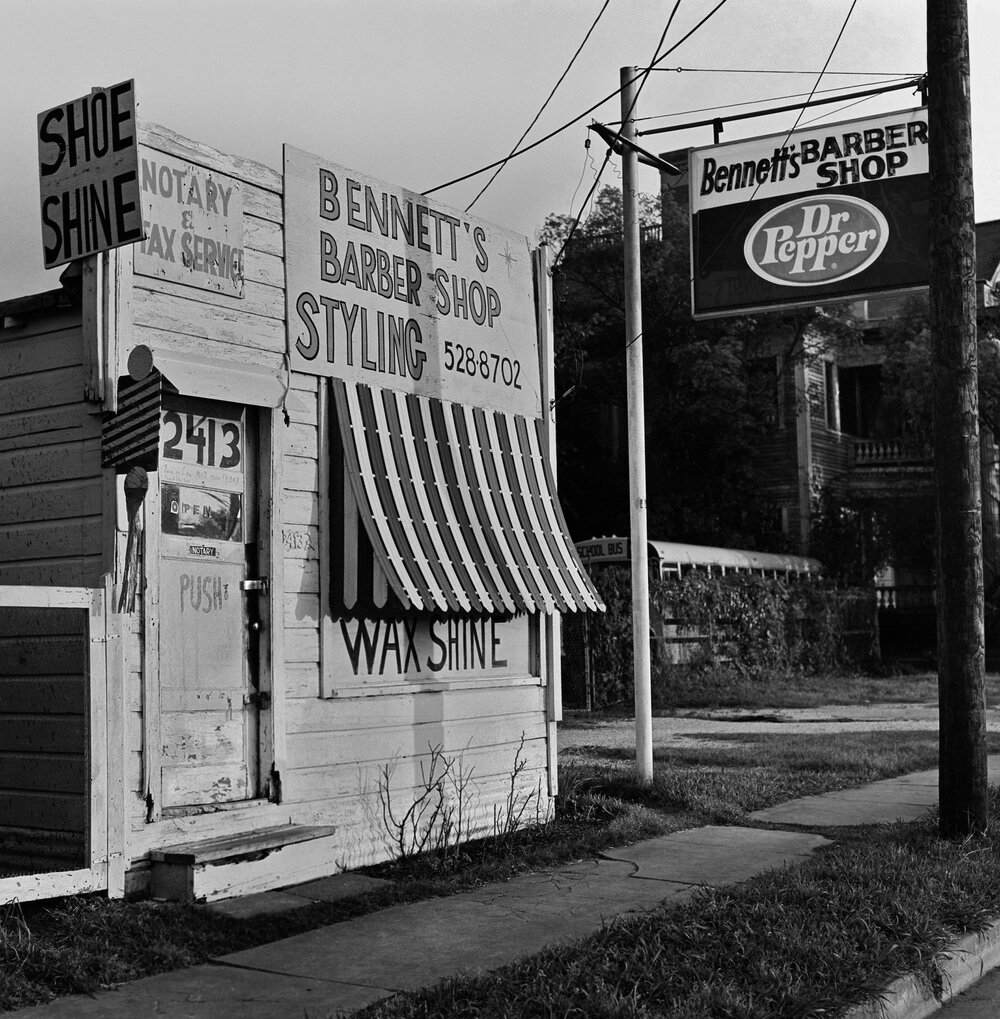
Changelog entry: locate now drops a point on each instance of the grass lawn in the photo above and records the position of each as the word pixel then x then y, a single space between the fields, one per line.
pixel 82 944
pixel 720 688
pixel 802 943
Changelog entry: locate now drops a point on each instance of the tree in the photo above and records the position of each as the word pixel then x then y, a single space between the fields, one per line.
pixel 705 406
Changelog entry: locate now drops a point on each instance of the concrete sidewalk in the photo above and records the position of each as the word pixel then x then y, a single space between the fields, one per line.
pixel 345 966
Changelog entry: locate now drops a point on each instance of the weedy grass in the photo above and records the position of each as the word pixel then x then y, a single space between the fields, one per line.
pixel 806 941
pixel 84 943
pixel 724 687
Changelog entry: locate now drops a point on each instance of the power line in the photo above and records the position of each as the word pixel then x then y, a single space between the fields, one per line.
pixel 770 99
pixel 765 70
pixel 607 157
pixel 801 106
pixel 542 108
pixel 738 220
pixel 587 112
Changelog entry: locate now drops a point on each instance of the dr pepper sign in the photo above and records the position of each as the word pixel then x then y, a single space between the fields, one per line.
pixel 388 288
pixel 831 212
pixel 88 166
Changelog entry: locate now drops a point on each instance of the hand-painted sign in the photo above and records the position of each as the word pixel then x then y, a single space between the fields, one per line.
pixel 195 512
pixel 826 213
pixel 202 439
pixel 388 288
pixel 421 649
pixel 88 162
pixel 603 550
pixel 193 221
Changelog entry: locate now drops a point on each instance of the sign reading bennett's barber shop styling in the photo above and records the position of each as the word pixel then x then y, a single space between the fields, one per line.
pixel 388 288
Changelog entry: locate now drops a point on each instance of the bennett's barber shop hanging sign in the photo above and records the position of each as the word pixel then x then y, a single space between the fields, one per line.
pixel 824 213
pixel 387 288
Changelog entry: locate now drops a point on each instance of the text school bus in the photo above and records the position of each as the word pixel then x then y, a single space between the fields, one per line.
pixel 280 532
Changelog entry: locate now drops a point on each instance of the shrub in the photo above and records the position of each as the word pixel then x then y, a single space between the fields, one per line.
pixel 748 626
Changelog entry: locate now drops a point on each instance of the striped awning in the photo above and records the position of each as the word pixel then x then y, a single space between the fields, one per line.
pixel 457 507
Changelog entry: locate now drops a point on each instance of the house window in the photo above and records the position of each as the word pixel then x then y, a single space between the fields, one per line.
pixel 766 385
pixel 832 381
pixel 859 400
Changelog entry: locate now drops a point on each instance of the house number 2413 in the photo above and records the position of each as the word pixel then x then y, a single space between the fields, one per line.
pixel 202 440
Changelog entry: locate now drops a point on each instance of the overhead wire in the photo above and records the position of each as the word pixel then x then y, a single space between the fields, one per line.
pixel 746 205
pixel 738 220
pixel 754 102
pixel 542 107
pixel 644 76
pixel 579 117
pixel 768 70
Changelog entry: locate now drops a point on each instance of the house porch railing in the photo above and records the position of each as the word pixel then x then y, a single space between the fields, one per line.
pixel 887 453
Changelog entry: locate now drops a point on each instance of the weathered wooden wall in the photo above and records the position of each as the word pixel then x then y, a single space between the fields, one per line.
pixel 336 747
pixel 51 484
pixel 43 741
pixel 325 754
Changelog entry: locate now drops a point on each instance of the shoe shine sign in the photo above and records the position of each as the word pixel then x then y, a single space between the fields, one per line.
pixel 829 213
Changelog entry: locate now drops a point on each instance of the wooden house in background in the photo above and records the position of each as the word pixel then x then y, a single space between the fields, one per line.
pixel 244 606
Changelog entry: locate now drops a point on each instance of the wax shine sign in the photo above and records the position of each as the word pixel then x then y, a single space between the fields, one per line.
pixel 827 213
pixel 388 288
pixel 88 163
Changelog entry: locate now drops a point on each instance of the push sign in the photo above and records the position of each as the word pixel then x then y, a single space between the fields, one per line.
pixel 88 164
pixel 818 215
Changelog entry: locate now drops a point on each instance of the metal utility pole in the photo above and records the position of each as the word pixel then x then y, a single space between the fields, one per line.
pixel 636 437
pixel 962 783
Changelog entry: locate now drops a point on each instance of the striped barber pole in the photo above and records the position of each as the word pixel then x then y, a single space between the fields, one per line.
pixel 131 437
pixel 445 508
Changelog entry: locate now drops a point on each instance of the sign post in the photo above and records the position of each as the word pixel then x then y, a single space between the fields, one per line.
pixel 636 439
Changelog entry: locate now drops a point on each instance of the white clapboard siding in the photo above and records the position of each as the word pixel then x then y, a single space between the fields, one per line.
pixel 329 750
pixel 487 706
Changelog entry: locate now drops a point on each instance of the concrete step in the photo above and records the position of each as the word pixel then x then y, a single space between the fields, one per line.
pixel 231 865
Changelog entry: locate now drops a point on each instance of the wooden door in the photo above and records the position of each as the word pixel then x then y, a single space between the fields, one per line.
pixel 209 703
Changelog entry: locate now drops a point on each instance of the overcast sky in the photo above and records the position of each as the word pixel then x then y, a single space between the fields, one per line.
pixel 418 92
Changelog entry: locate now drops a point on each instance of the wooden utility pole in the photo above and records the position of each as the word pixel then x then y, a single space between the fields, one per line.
pixel 636 437
pixel 962 780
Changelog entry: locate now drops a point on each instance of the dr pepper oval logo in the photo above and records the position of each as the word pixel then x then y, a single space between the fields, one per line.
pixel 812 241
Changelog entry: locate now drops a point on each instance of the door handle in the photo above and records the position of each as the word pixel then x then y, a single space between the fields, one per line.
pixel 259 585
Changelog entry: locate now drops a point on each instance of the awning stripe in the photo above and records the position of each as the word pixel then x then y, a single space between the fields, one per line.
pixel 535 526
pixel 403 499
pixel 356 457
pixel 512 507
pixel 496 504
pixel 429 527
pixel 458 530
pixel 403 546
pixel 452 561
pixel 358 583
pixel 447 451
pixel 476 488
pixel 525 463
pixel 585 587
pixel 455 506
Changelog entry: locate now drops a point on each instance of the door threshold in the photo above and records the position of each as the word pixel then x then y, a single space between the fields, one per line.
pixel 213 808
